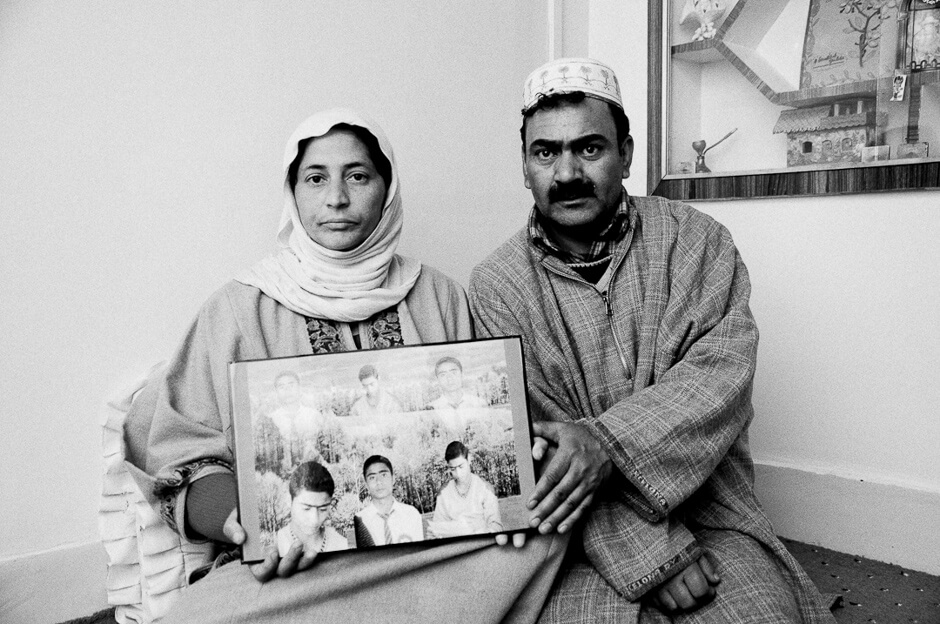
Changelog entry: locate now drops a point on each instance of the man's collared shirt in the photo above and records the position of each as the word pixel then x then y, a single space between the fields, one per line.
pixel 600 249
pixel 404 521
pixel 387 404
pixel 456 416
pixel 477 511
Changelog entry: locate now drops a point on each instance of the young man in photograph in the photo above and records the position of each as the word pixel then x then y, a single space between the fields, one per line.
pixel 376 401
pixel 467 504
pixel 385 520
pixel 299 424
pixel 455 406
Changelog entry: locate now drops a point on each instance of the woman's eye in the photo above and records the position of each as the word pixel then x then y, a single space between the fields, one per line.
pixel 315 179
pixel 359 177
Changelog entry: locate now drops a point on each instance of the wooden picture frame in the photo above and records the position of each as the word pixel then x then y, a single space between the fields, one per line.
pixel 794 137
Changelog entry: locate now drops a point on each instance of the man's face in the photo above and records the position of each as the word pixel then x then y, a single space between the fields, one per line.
pixel 573 165
pixel 379 481
pixel 459 468
pixel 308 511
pixel 288 390
pixel 450 377
pixel 371 386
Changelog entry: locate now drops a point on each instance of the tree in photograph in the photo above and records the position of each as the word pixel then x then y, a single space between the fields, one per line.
pixel 273 504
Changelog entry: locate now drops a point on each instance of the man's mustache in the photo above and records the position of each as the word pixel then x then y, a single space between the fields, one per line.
pixel 576 189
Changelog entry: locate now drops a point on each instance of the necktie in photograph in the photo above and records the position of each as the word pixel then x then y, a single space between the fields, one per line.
pixel 388 531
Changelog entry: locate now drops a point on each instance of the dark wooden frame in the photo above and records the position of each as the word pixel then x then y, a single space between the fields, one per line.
pixel 785 182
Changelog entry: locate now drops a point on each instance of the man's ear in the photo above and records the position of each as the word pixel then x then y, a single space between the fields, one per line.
pixel 626 155
pixel 525 171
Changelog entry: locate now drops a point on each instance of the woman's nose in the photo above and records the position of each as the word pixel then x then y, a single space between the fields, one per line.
pixel 338 195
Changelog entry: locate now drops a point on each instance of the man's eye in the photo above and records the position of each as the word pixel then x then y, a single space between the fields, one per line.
pixel 591 150
pixel 543 154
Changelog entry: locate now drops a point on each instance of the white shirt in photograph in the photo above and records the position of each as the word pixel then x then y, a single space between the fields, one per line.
pixel 404 522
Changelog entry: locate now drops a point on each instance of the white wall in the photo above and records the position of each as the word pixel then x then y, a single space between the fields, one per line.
pixel 141 147
pixel 846 292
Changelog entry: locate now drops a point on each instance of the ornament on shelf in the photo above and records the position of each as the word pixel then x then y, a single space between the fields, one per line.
pixel 700 149
pixel 706 13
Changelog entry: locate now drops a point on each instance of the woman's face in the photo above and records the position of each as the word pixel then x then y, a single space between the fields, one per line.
pixel 308 511
pixel 339 192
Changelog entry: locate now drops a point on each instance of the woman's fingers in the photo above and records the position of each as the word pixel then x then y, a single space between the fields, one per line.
pixel 232 529
pixel 266 570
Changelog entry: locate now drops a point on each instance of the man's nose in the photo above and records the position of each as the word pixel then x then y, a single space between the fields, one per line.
pixel 338 194
pixel 567 167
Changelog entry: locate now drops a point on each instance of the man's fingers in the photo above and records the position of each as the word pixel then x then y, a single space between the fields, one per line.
pixel 666 602
pixel 562 508
pixel 546 429
pixel 539 448
pixel 695 581
pixel 558 489
pixel 565 524
pixel 553 473
pixel 709 570
pixel 680 593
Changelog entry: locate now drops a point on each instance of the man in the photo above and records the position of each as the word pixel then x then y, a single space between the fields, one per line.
pixel 311 491
pixel 376 401
pixel 454 405
pixel 640 352
pixel 467 504
pixel 298 424
pixel 385 520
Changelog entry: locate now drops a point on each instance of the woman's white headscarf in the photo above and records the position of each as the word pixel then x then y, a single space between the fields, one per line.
pixel 347 286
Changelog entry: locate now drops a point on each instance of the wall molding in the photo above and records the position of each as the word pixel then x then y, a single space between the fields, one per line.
pixel 881 521
pixel 54 585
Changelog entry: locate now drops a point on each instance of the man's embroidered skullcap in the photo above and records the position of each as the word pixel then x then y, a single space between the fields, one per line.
pixel 566 75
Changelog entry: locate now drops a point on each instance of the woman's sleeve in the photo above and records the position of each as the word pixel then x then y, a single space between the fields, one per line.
pixel 178 431
pixel 457 316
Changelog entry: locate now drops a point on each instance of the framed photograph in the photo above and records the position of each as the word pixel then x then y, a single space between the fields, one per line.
pixel 762 98
pixel 368 449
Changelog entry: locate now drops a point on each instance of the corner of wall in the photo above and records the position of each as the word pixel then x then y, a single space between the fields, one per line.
pixel 883 522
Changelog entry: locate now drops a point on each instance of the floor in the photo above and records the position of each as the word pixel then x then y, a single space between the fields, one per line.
pixel 871 592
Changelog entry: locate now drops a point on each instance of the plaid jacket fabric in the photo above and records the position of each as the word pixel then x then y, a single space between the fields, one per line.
pixel 658 362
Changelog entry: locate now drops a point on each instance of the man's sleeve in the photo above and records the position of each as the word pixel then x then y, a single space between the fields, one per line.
pixel 440 513
pixel 417 525
pixel 668 437
pixel 491 515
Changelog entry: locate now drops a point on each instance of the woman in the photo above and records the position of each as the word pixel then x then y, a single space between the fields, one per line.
pixel 335 283
pixel 311 502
